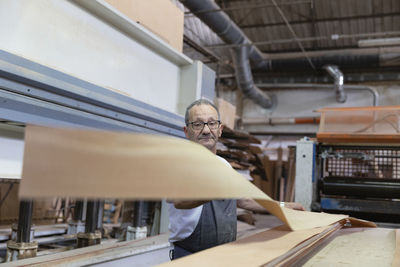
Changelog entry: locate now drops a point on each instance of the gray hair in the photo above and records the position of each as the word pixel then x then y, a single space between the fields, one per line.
pixel 198 103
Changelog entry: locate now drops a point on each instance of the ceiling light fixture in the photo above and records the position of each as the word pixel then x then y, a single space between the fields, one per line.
pixel 379 42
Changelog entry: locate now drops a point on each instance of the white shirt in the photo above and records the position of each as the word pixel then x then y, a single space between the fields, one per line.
pixel 182 222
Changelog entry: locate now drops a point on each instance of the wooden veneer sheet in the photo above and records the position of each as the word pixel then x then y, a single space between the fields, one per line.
pixel 80 163
pixel 255 250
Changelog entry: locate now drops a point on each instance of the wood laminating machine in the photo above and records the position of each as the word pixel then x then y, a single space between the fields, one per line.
pixel 354 165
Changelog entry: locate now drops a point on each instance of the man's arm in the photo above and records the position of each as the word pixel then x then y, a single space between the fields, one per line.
pixel 250 204
pixel 293 206
pixel 247 204
pixel 187 204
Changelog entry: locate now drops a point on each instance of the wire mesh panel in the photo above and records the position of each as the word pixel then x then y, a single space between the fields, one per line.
pixel 359 162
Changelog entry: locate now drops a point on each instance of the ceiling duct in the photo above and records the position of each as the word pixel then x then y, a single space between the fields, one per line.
pixel 338 78
pixel 244 77
pixel 342 61
pixel 230 33
pixel 343 58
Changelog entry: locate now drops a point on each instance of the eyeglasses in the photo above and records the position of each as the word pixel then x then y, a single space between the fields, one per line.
pixel 199 125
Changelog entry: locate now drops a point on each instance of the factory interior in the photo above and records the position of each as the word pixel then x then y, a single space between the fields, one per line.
pixel 94 155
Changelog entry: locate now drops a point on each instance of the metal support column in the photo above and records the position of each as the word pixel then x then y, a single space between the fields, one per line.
pixel 100 215
pixel 139 228
pixel 21 245
pixel 76 225
pixel 305 176
pixel 91 236
pixel 78 212
pixel 24 221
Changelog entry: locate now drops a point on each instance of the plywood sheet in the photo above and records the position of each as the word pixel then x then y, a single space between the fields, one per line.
pixel 101 164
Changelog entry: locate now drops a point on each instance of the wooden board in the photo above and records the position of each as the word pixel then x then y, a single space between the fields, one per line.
pixel 161 17
pixel 227 112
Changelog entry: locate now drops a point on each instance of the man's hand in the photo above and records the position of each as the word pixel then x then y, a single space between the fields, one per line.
pixel 294 206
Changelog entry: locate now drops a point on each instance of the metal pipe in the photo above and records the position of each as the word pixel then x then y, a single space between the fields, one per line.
pixel 335 52
pixel 350 77
pixel 375 94
pixel 223 26
pixel 230 33
pixel 342 61
pixel 24 221
pixel 333 37
pixel 338 78
pixel 247 6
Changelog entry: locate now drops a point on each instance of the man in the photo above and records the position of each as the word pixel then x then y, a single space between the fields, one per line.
pixel 197 225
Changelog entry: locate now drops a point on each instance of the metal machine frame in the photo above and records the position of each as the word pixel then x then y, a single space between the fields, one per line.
pixel 35 94
pixel 31 93
pixel 359 180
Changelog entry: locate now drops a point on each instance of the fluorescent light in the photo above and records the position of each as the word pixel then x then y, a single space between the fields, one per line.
pixel 379 42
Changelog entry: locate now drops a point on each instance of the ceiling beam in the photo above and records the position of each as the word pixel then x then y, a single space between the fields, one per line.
pixel 296 22
pixel 293 34
pixel 201 49
pixel 314 28
pixel 333 37
pixel 248 6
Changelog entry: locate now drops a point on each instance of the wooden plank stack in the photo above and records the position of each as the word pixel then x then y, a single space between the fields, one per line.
pixel 245 153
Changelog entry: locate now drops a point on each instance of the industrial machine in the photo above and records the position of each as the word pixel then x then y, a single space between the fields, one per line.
pixel 349 171
pixel 122 91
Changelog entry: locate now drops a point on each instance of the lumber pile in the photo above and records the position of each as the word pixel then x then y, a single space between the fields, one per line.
pixel 246 154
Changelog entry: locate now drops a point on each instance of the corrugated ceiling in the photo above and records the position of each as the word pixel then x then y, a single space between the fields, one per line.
pixel 319 19
pixel 317 24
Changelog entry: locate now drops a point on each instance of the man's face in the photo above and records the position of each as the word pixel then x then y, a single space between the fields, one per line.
pixel 206 136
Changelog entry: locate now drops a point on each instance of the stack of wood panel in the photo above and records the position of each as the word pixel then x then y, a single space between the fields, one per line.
pixel 245 153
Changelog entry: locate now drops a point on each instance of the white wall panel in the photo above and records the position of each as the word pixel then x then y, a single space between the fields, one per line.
pixel 11 152
pixel 63 36
pixel 294 103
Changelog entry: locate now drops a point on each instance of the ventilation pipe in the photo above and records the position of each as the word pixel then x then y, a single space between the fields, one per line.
pixel 230 33
pixel 341 60
pixel 338 78
pixel 244 77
